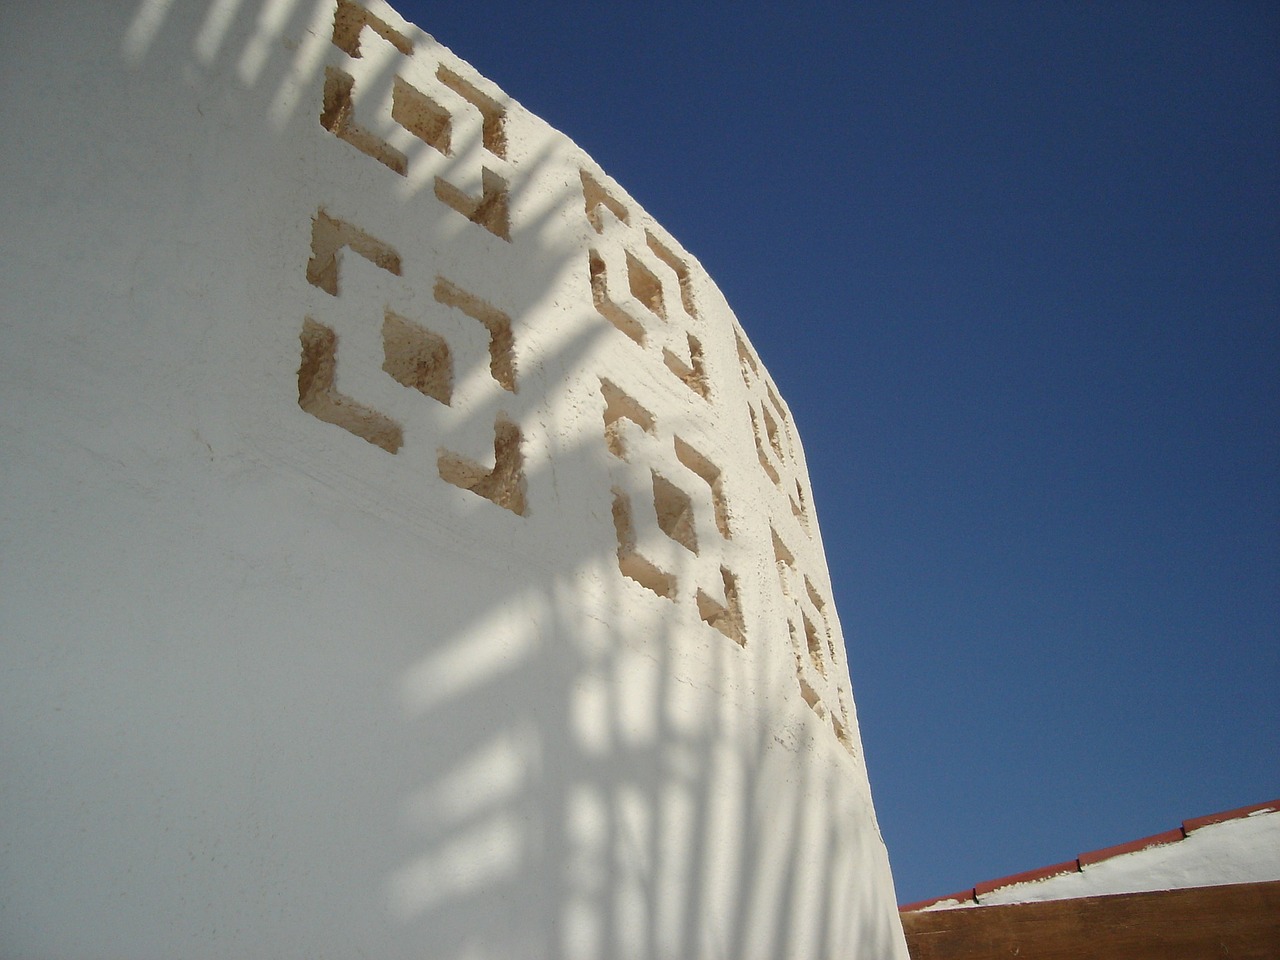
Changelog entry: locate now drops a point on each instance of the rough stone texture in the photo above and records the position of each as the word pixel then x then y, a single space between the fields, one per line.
pixel 404 553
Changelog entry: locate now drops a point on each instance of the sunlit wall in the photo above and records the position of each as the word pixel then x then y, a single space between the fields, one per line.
pixel 403 552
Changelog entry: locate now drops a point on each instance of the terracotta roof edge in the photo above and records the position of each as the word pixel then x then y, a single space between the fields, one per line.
pixel 1027 876
pixel 1239 813
pixel 1133 846
pixel 1097 856
pixel 964 896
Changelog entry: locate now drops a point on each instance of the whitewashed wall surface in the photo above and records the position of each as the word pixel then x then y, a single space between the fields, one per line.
pixel 403 552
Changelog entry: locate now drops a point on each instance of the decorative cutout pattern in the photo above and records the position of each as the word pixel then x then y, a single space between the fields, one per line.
pixel 328 237
pixel 611 310
pixel 502 360
pixel 619 407
pixel 769 469
pixel 771 429
pixel 726 619
pixel 820 605
pixel 746 362
pixel 640 284
pixel 774 437
pixel 318 393
pixel 417 358
pixel 338 117
pixel 421 115
pixel 630 562
pixel 693 374
pixel 710 473
pixel 818 665
pixel 645 287
pixel 350 18
pixel 494 131
pixel 681 269
pixel 799 507
pixel 656 279
pixel 814 643
pixel 489 210
pixel 413 356
pixel 675 513
pixel 596 196
pixel 503 484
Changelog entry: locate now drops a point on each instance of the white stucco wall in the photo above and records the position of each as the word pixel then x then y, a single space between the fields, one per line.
pixel 289 666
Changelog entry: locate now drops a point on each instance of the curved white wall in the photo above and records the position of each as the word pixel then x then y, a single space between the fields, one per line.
pixel 402 552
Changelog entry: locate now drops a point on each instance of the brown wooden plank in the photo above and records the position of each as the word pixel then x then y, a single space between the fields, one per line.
pixel 1236 921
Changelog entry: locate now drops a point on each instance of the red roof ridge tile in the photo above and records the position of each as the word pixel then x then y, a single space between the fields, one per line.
pixel 1028 876
pixel 1239 812
pixel 1097 856
pixel 1133 846
pixel 964 896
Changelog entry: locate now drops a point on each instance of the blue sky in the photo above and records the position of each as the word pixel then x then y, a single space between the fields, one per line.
pixel 1016 269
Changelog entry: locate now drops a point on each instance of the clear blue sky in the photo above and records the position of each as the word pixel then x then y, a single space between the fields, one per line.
pixel 1016 269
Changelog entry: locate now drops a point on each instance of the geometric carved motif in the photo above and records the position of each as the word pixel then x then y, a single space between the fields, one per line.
pixel 819 666
pixel 631 435
pixel 641 287
pixel 645 291
pixel 419 113
pixel 414 356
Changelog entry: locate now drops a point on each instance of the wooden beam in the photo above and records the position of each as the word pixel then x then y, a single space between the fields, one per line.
pixel 1236 922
